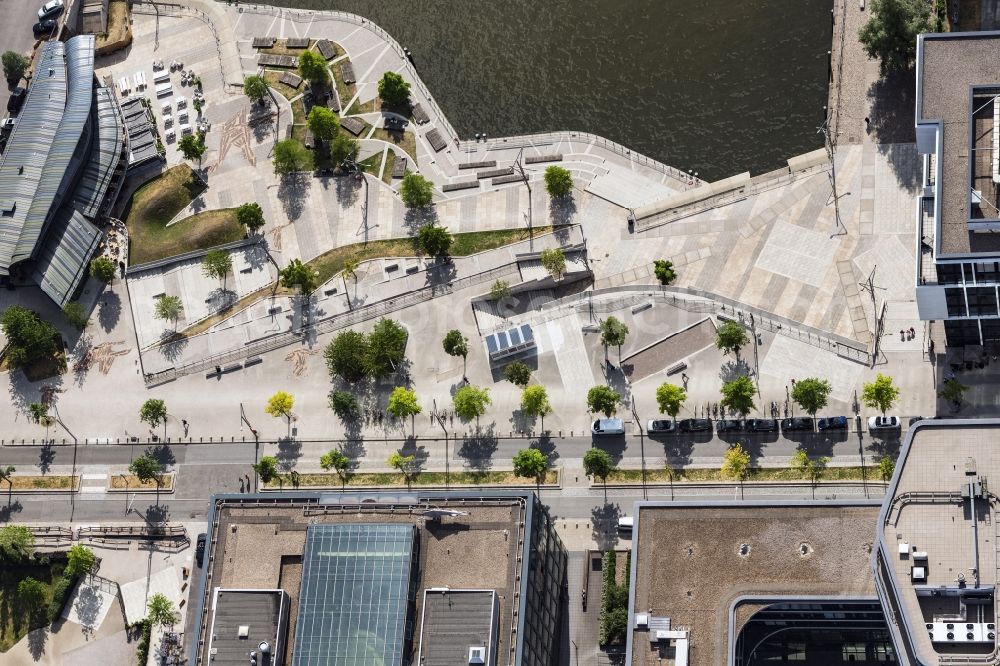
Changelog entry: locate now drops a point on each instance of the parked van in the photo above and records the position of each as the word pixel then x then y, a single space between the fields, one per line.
pixel 608 427
pixel 625 524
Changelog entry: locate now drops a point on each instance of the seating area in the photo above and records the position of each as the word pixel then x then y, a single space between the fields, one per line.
pixel 297 42
pixel 326 49
pixel 347 73
pixel 420 115
pixel 399 167
pixel 462 185
pixel 270 60
pixel 436 140
pixel 264 42
pixel 352 125
pixel 495 173
pixel 539 159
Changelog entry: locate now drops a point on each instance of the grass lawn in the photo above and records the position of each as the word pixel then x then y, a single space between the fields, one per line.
pixel 118 16
pixel 421 479
pixel 756 474
pixel 361 107
pixel 329 263
pixel 345 91
pixel 49 482
pixel 14 621
pixel 298 112
pixel 119 483
pixel 197 232
pixel 390 162
pixel 272 76
pixel 404 140
pixel 371 164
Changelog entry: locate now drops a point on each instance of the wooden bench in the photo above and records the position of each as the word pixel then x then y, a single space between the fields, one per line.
pixel 676 367
pixel 347 73
pixel 352 125
pixel 291 80
pixel 420 115
pixel 495 173
pixel 297 42
pixel 503 180
pixel 271 60
pixel 465 185
pixel 556 157
pixel 326 49
pixel 436 140
pixel 478 165
pixel 399 167
pixel 263 42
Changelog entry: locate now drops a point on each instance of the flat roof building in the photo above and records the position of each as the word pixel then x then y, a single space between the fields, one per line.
pixel 245 622
pixel 380 578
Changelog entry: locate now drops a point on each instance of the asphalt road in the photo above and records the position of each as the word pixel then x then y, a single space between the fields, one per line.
pixel 15 33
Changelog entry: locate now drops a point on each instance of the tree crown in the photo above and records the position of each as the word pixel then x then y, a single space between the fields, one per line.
pixel 280 405
pixel 153 412
pixel 456 344
pixel 103 269
pixel 603 399
pixel 434 240
pixel 403 403
pixel 598 463
pixel 393 89
pixel 669 398
pixel 554 261
pixel 535 401
pixel 558 181
pixel 517 373
pixel 880 394
pixel 530 463
pixel 736 463
pixel 471 402
pixel 416 191
pixel 811 394
pixel 250 215
pixel 737 395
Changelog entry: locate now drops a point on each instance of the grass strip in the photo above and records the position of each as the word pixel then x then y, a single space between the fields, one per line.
pixel 42 482
pixel 488 478
pixel 665 475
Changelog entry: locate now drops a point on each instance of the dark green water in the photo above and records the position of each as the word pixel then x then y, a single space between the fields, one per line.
pixel 717 86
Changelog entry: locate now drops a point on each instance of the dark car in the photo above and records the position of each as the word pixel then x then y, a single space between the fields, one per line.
pixel 44 27
pixel 695 425
pixel 762 425
pixel 199 551
pixel 17 96
pixel 832 423
pixel 796 423
pixel 729 425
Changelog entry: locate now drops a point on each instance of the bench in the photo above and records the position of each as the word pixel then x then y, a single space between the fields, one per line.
pixel 347 73
pixel 399 167
pixel 297 42
pixel 503 180
pixel 495 173
pixel 253 360
pixel 389 268
pixel 263 42
pixel 410 270
pixel 556 157
pixel 326 49
pixel 330 292
pixel 466 185
pixel 352 125
pixel 676 367
pixel 232 367
pixel 333 103
pixel 642 306
pixel 436 140
pixel 271 60
pixel 420 115
pixel 291 80
pixel 478 165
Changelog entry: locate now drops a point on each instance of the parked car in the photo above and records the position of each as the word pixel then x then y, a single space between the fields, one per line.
pixel 50 9
pixel 17 96
pixel 796 423
pixel 695 425
pixel 608 427
pixel 199 551
pixel 44 27
pixel 832 423
pixel 883 423
pixel 762 425
pixel 729 425
pixel 625 524
pixel 659 426
pixel 7 125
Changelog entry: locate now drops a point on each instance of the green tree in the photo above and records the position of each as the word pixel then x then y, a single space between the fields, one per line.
pixel 598 464
pixel 40 414
pixel 250 215
pixel 30 595
pixel 76 314
pixel 343 148
pixel 336 460
pixel 323 123
pixel 312 67
pixel 279 406
pixel 434 240
pixel 953 391
pixel 810 467
pixel 405 464
pixel 81 560
pixel 535 402
pixel 531 464
pixel 7 474
pixel 345 355
pixel 886 468
pixel 670 398
pixel 14 65
pixel 103 269
pixel 192 146
pixel 154 412
pixel 386 348
pixel 554 261
pixel 266 469
pixel 298 274
pixel 664 271
pixel 456 344
pixel 217 264
pixel 613 333
pixel 616 624
pixel 736 464
pixel 290 156
pixel 168 308
pixel 471 402
pixel 28 337
pixel 345 405
pixel 394 90
pixel 517 373
pixel 500 291
pixel 255 87
pixel 737 395
pixel 17 543
pixel 416 191
pixel 160 611
pixel 890 35
pixel 558 181
pixel 811 394
pixel 403 403
pixel 146 468
pixel 603 399
pixel 880 394
pixel 731 337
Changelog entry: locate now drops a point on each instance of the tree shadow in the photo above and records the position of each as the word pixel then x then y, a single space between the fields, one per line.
pixel 677 451
pixel 354 449
pixel 23 392
pixel 79 359
pixel 414 218
pixel 439 275
pixel 157 514
pixel 289 452
pixel 8 510
pixel 547 446
pixel 162 454
pixel 604 525
pixel 348 190
pixel 522 421
pixel 733 369
pixel 175 348
pixel 478 450
pixel 885 445
pixel 87 606
pixel 109 311
pixel 221 298
pixel 292 191
pixel 36 642
pixel 561 211
pixel 45 457
pixel 419 453
pixel 256 255
pixel 198 205
pixel 892 99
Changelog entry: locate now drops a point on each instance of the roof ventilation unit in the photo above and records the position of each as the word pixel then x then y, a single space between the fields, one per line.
pixel 477 655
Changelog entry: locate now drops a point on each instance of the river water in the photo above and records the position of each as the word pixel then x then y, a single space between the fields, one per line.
pixel 714 86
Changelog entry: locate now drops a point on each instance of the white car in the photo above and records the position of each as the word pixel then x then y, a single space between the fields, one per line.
pixel 883 423
pixel 50 9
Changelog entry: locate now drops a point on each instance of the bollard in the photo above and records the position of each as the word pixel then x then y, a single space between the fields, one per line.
pixel 209 439
pixel 201 439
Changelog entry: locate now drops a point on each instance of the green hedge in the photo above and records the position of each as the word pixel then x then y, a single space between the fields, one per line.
pixel 142 649
pixel 613 621
pixel 60 593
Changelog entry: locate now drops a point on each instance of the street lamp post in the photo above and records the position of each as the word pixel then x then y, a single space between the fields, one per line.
pixel 256 442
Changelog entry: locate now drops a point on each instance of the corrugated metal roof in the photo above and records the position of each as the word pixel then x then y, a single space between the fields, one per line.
pixel 65 257
pixel 29 145
pixel 104 156
pixel 79 95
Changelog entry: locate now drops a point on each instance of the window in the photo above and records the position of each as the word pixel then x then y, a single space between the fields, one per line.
pixel 982 301
pixel 955 298
pixel 988 272
pixel 949 273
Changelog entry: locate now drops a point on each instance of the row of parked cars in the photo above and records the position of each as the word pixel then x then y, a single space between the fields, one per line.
pixel 614 426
